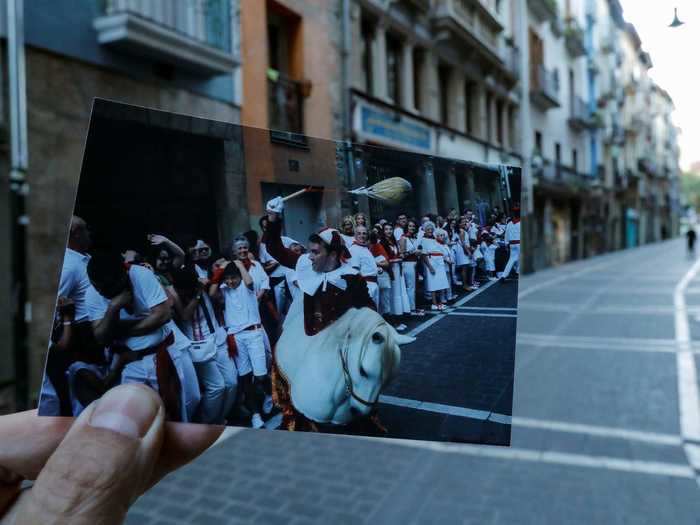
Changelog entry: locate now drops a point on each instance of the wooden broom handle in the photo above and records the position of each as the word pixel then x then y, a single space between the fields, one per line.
pixel 296 194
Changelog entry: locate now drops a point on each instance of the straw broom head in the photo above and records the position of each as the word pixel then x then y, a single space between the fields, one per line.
pixel 391 190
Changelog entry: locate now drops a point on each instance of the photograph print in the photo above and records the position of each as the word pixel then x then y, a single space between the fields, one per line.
pixel 267 279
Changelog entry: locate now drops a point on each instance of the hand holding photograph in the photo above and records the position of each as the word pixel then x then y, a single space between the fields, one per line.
pixel 272 280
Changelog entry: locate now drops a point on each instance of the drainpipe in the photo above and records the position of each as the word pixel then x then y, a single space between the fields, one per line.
pixel 346 53
pixel 592 88
pixel 19 190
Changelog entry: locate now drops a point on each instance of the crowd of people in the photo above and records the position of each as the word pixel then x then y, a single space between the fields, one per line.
pixel 200 327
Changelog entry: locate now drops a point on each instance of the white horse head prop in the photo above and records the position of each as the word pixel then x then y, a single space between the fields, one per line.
pixel 338 374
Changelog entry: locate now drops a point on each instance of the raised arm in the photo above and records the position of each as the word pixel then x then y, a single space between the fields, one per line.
pixel 273 243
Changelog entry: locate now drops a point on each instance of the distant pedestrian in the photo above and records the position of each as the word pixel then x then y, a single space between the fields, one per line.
pixel 691 236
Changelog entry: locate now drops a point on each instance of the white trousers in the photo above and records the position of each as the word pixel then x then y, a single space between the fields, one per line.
pixel 144 372
pixel 409 276
pixel 513 260
pixel 251 352
pixel 218 379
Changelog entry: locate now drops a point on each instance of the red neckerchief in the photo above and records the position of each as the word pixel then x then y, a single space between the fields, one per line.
pixel 354 242
pixel 515 221
pixel 247 263
pixel 440 241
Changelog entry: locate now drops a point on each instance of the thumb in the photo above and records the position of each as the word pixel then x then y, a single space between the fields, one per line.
pixel 103 464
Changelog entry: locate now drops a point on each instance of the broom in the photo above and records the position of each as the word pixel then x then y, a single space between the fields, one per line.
pixel 391 190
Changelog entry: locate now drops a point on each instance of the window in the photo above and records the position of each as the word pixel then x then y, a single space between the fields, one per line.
pixel 393 67
pixel 557 153
pixel 444 79
pixel 511 127
pixel 499 122
pixel 366 54
pixel 468 106
pixel 489 117
pixel 538 142
pixel 417 86
pixel 574 158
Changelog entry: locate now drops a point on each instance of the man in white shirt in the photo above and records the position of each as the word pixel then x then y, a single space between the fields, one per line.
pixel 512 238
pixel 363 260
pixel 245 334
pixel 129 312
pixel 401 223
pixel 82 346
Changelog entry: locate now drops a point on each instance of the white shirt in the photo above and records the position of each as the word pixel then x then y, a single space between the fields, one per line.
pixel 261 281
pixel 265 258
pixel 199 321
pixel 74 281
pixel 347 239
pixel 512 231
pixel 310 280
pixel 148 293
pixel 473 231
pixel 363 260
pixel 398 233
pixel 240 307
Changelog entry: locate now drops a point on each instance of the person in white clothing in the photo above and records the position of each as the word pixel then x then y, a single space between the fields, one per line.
pixel 512 238
pixel 400 227
pixel 347 230
pixel 129 311
pixel 434 261
pixel 408 248
pixel 245 335
pixel 363 260
pixel 441 238
pixel 215 369
pixel 399 296
pixel 81 345
pixel 488 249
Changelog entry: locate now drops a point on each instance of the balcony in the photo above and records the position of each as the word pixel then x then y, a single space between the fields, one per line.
pixel 510 56
pixel 285 103
pixel 560 179
pixel 196 35
pixel 614 135
pixel 578 118
pixel 470 22
pixel 544 87
pixel 634 124
pixel 543 10
pixel 645 164
pixel 573 38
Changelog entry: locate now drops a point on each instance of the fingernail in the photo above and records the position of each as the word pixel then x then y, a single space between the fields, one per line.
pixel 127 410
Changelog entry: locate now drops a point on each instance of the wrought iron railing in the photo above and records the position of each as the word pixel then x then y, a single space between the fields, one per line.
pixel 546 82
pixel 285 104
pixel 206 21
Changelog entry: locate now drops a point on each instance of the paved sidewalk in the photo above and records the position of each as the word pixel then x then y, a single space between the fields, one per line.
pixel 596 434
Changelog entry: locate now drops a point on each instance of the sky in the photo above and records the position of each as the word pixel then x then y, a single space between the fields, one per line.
pixel 675 53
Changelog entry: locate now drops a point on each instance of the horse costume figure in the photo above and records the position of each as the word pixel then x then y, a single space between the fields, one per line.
pixel 336 376
pixel 335 353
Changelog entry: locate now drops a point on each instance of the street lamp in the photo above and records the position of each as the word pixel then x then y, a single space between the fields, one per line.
pixel 676 22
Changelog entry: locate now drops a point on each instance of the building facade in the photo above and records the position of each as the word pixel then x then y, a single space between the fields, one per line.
pixel 604 170
pixel 166 54
pixel 292 83
pixel 438 78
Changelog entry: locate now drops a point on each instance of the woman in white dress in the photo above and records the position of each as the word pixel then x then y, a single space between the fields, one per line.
pixel 399 296
pixel 347 230
pixel 408 248
pixel 434 261
pixel 441 236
